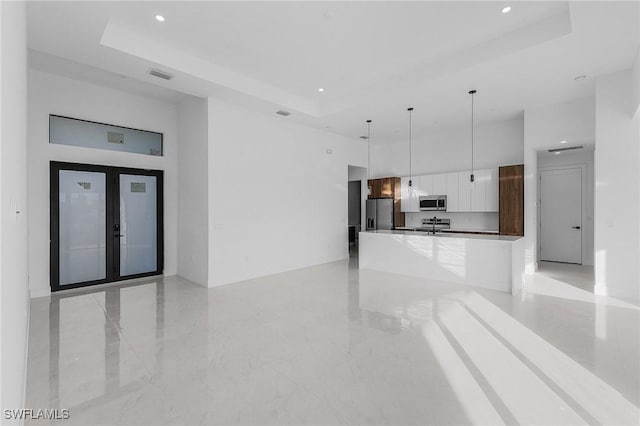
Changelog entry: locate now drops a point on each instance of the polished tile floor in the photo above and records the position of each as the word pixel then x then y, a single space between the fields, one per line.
pixel 332 345
pixel 581 276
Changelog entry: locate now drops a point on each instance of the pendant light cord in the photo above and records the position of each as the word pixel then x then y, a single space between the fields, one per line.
pixel 472 133
pixel 410 143
pixel 368 149
pixel 472 93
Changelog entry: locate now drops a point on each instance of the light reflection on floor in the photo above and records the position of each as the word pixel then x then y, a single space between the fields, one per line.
pixel 573 282
pixel 332 344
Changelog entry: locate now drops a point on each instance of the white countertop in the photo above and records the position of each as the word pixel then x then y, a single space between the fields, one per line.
pixel 447 235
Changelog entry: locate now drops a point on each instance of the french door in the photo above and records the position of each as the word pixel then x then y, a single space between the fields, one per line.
pixel 106 224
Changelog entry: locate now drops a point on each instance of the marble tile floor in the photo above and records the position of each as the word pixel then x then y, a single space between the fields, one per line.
pixel 333 345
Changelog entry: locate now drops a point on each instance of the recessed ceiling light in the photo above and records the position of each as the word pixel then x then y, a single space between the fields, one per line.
pixel 320 89
pixel 159 18
pixel 506 9
pixel 580 77
pixel 557 153
pixel 563 141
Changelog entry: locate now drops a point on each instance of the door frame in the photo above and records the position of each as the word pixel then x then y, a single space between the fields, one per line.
pixel 583 207
pixel 112 174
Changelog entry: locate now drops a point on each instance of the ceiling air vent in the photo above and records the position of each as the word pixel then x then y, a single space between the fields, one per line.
pixel 283 113
pixel 160 74
pixel 569 148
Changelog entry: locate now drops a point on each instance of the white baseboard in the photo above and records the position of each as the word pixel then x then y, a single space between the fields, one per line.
pixel 182 277
pixel 26 359
pixel 617 293
pixel 199 284
pixel 43 292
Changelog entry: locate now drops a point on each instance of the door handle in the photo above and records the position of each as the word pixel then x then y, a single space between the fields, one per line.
pixel 118 235
pixel 575 227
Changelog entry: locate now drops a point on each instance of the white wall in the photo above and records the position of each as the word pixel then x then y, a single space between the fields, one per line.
pixel 58 95
pixel 617 181
pixel 573 158
pixel 193 243
pixel 544 128
pixel 449 150
pixel 635 73
pixel 635 84
pixel 14 293
pixel 278 198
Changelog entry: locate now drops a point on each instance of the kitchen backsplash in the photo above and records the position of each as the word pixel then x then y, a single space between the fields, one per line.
pixel 466 221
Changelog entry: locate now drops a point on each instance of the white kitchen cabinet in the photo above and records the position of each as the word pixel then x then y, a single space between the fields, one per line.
pixel 408 201
pixel 484 191
pixel 464 192
pixel 424 185
pixel 452 192
pixel 491 191
pixel 439 184
pixel 478 191
pixel 462 195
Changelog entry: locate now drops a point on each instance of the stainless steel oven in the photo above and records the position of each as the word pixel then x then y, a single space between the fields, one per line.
pixel 433 203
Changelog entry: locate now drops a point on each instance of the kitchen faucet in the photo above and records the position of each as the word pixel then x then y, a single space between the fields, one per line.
pixel 433 225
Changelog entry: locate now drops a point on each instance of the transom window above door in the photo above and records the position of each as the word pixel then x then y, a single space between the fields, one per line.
pixel 89 134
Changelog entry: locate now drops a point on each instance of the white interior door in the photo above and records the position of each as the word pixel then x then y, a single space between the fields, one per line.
pixel 561 215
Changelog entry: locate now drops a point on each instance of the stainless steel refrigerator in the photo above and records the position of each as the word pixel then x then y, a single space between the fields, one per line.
pixel 380 214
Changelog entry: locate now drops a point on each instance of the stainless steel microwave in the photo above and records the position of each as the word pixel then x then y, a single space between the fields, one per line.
pixel 433 203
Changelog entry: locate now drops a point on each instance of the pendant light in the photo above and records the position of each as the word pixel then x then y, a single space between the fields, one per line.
pixel 368 158
pixel 472 178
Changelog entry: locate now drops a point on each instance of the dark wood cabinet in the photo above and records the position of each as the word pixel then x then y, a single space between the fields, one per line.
pixel 511 199
pixel 388 187
pixel 376 188
pixel 385 187
pixel 386 191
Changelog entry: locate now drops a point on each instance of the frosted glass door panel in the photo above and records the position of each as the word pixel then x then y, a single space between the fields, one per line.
pixel 138 224
pixel 82 215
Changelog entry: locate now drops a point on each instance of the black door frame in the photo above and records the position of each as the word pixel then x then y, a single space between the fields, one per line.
pixel 112 218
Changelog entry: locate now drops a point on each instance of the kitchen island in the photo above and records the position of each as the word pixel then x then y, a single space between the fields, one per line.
pixel 489 261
